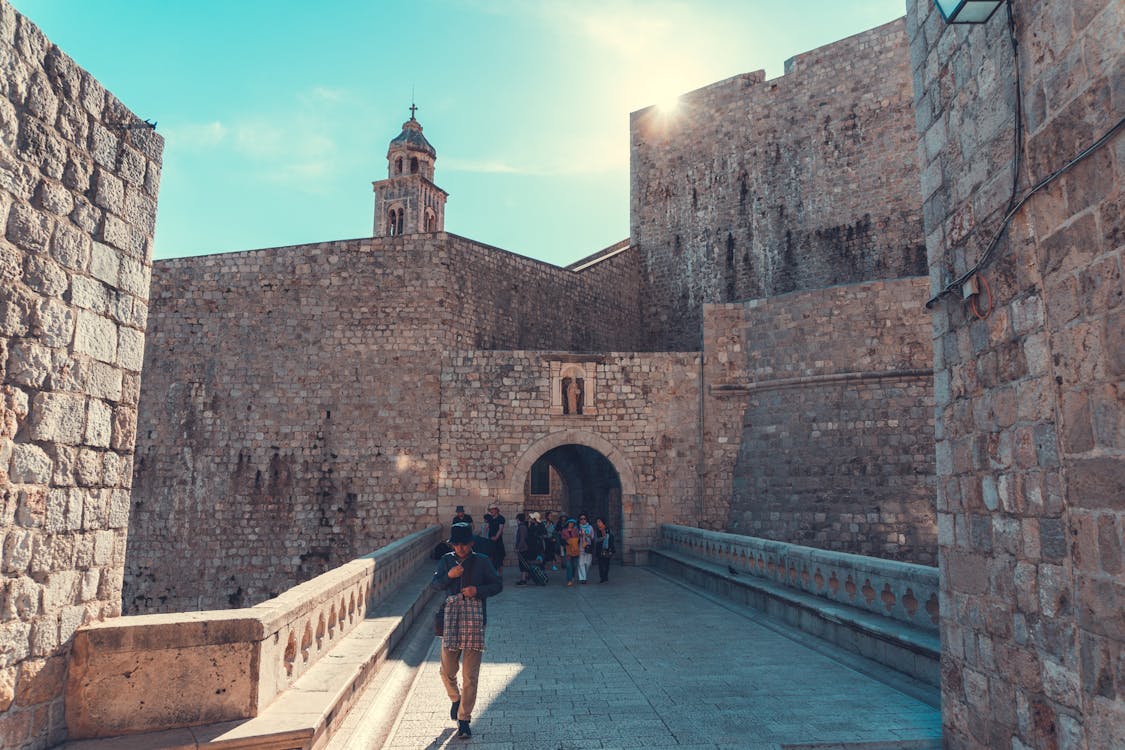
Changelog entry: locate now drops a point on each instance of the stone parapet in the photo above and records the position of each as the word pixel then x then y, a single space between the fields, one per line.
pixel 149 673
pixel 901 591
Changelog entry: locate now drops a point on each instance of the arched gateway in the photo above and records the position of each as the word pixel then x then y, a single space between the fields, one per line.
pixel 577 471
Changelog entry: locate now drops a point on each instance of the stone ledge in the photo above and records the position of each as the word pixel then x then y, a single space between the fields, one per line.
pixel 903 647
pixel 304 716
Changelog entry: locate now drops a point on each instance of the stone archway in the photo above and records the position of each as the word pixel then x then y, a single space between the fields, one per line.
pixel 597 477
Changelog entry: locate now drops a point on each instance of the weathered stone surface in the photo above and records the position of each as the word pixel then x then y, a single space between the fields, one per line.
pixel 59 364
pixel 1052 338
pixel 30 464
pixel 766 187
pixel 57 418
pixel 96 336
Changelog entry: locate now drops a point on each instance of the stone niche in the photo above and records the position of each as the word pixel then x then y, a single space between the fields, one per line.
pixel 573 387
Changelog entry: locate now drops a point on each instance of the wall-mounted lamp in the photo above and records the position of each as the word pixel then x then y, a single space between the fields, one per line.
pixel 967 11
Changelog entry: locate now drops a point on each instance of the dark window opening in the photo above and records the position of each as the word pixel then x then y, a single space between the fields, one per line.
pixel 541 478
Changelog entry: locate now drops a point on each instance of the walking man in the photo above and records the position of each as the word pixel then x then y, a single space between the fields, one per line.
pixel 466 579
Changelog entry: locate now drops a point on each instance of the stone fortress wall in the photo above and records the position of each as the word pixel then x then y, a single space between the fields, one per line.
pixel 754 188
pixel 1030 433
pixel 290 415
pixel 79 176
pixel 825 402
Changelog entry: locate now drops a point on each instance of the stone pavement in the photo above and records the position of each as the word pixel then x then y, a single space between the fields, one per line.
pixel 645 661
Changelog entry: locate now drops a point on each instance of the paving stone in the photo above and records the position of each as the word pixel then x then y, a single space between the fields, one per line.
pixel 646 662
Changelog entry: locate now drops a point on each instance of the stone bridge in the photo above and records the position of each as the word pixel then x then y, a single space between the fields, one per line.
pixel 720 642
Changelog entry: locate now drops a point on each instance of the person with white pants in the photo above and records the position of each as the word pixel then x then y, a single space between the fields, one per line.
pixel 586 545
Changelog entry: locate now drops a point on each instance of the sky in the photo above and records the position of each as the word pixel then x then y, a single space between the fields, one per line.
pixel 277 114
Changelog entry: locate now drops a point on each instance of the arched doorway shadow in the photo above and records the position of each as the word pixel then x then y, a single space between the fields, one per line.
pixel 594 475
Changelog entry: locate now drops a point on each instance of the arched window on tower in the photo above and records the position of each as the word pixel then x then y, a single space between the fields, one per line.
pixel 398 165
pixel 401 216
pixel 414 165
pixel 392 222
pixel 431 220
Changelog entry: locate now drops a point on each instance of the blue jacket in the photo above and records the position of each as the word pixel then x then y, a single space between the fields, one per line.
pixel 479 572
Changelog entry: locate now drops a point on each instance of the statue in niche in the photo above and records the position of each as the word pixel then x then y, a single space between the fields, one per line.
pixel 572 395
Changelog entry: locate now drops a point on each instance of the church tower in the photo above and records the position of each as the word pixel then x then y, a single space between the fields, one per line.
pixel 408 201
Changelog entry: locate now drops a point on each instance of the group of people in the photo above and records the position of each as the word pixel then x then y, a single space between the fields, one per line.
pixel 572 543
pixel 467 578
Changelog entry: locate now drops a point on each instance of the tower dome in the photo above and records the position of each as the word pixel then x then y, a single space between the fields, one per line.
pixel 409 152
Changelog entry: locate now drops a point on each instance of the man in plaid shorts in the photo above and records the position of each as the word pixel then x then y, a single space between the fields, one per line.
pixel 466 579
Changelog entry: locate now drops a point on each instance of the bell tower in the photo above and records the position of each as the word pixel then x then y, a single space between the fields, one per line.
pixel 408 201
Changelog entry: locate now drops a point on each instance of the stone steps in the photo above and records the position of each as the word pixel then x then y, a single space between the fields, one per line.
pixel 304 716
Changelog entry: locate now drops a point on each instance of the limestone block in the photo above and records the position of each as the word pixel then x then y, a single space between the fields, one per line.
pixel 61 590
pixel 99 423
pixel 112 692
pixel 24 600
pixel 14 646
pixel 88 469
pixel 135 276
pixel 7 687
pixel 55 198
pixel 40 680
pixel 105 263
pixel 70 619
pixel 131 165
pixel 103 548
pixel 90 294
pixel 116 232
pixel 124 428
pixel 103 145
pixel 131 349
pixel 28 364
pixel 118 509
pixel 29 229
pixel 57 417
pixel 29 464
pixel 70 247
pixel 43 275
pixel 109 193
pixel 53 323
pixel 32 509
pixel 96 336
pixel 19 545
pixel 104 381
pixel 15 311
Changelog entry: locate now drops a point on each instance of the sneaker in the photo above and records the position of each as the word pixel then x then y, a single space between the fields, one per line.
pixel 453 709
pixel 554 567
pixel 583 583
pixel 521 583
pixel 463 731
pixel 570 583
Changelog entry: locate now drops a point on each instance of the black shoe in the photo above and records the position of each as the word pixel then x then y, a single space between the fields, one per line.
pixel 453 709
pixel 463 731
pixel 521 583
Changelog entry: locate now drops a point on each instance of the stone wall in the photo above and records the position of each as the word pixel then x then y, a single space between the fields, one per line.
pixel 496 422
pixel 820 419
pixel 753 188
pixel 289 420
pixel 1030 438
pixel 78 190
pixel 500 300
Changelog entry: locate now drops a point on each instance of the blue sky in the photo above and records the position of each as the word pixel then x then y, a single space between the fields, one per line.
pixel 277 114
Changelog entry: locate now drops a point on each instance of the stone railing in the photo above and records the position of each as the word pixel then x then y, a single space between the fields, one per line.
pixel 902 591
pixel 150 672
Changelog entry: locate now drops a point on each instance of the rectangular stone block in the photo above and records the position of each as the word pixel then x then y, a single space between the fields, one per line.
pixel 57 418
pixel 96 336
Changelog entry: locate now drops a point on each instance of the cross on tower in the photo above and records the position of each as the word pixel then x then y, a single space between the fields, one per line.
pixel 413 109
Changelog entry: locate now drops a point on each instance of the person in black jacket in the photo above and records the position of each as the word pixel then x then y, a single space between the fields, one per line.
pixel 469 575
pixel 604 549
